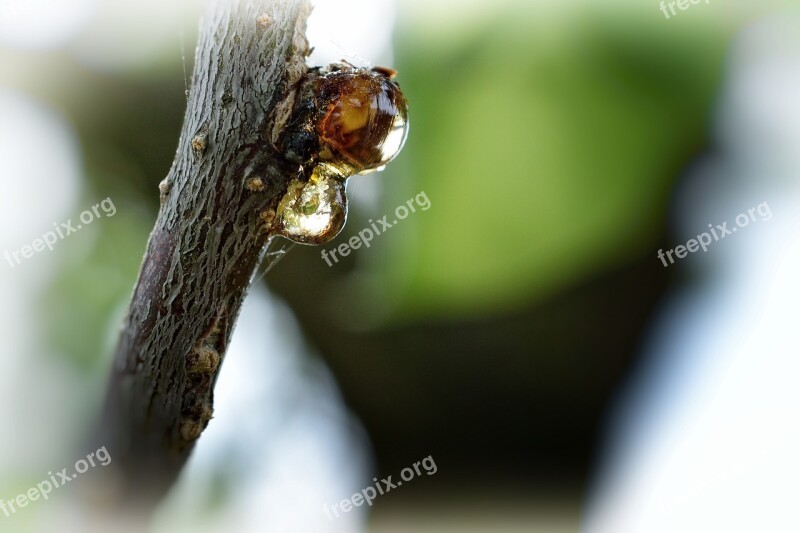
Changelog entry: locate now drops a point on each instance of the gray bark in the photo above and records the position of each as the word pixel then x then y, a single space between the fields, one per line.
pixel 207 242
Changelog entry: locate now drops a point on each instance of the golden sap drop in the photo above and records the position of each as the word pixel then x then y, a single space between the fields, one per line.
pixel 313 212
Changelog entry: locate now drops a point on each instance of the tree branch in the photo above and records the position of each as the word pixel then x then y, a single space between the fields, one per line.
pixel 227 179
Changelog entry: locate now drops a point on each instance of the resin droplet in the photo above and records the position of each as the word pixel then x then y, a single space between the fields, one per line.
pixel 364 119
pixel 313 212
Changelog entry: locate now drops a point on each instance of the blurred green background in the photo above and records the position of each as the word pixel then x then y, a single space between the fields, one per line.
pixel 491 330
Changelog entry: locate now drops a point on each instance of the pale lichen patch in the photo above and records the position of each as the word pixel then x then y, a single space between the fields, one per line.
pixel 255 184
pixel 282 114
pixel 267 218
pixel 194 423
pixel 264 21
pixel 202 360
pixel 199 143
pixel 191 430
pixel 296 69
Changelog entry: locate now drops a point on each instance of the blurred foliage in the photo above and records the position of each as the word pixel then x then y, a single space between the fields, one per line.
pixel 547 145
pixel 85 307
pixel 547 140
pixel 128 125
pixel 548 136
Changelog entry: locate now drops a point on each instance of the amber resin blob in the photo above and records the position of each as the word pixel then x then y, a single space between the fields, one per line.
pixel 363 118
pixel 355 122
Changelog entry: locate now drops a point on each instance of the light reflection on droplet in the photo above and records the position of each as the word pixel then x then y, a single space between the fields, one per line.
pixel 393 144
pixel 313 212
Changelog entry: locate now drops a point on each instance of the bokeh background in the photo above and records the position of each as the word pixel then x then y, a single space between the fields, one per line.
pixel 522 331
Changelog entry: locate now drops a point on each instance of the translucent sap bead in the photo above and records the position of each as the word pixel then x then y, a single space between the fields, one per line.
pixel 364 119
pixel 313 212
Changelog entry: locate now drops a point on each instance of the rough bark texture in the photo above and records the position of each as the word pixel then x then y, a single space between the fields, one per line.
pixel 207 242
